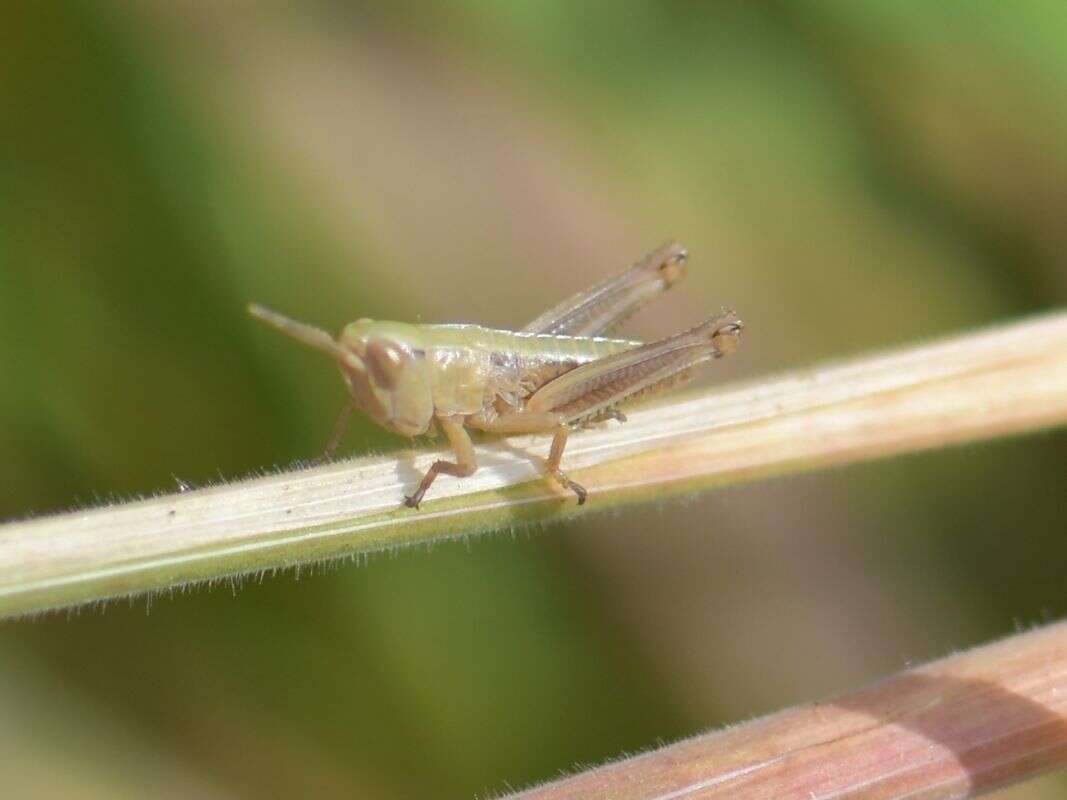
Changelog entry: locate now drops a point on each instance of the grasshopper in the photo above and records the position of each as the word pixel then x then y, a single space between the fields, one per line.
pixel 556 374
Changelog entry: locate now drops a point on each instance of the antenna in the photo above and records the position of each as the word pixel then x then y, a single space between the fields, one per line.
pixel 308 334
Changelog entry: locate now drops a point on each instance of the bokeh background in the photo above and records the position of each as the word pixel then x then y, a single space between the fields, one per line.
pixel 850 175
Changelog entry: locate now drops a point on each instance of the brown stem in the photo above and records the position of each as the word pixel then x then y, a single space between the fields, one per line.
pixel 952 729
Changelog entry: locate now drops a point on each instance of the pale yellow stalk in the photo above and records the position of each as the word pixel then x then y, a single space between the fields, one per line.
pixel 999 381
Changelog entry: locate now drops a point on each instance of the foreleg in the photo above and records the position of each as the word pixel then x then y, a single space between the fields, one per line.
pixel 338 431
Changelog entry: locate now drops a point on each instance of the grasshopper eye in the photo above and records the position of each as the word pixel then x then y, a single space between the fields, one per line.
pixel 386 363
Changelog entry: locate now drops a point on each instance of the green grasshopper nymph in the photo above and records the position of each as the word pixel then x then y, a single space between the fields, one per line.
pixel 554 375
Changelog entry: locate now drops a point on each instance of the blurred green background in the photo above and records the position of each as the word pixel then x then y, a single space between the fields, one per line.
pixel 850 175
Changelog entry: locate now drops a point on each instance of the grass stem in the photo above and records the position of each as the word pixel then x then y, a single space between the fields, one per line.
pixel 955 728
pixel 999 381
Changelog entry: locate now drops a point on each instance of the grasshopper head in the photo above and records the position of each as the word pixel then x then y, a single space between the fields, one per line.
pixel 383 363
pixel 385 367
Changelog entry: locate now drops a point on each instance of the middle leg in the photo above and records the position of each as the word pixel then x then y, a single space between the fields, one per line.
pixel 464 465
pixel 555 455
pixel 540 422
